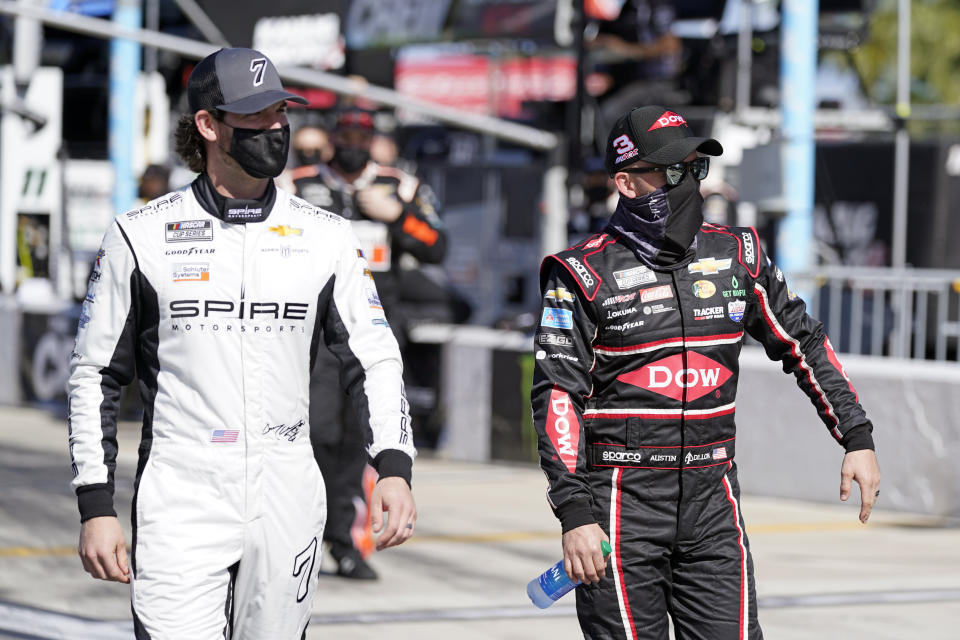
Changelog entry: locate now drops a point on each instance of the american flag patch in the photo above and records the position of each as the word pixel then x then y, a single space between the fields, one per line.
pixel 224 435
pixel 719 453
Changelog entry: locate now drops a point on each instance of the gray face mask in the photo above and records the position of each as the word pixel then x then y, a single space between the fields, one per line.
pixel 261 153
pixel 662 226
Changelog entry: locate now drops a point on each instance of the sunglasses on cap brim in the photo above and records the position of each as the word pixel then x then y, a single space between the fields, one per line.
pixel 699 168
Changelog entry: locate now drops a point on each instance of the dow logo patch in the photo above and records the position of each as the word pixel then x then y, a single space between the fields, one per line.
pixel 669 378
pixel 668 119
pixel 563 428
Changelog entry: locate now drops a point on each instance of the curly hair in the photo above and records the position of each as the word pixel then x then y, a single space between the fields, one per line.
pixel 189 144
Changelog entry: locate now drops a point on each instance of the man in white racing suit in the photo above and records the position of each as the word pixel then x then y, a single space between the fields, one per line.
pixel 215 296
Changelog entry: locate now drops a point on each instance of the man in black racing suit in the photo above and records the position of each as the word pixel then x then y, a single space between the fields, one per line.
pixel 634 395
pixel 394 216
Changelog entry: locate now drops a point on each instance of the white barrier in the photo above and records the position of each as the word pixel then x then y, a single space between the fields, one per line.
pixel 783 449
pixel 9 351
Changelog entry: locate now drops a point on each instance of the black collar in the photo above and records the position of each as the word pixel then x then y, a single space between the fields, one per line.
pixel 234 210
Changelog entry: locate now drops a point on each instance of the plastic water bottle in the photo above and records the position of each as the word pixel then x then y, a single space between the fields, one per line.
pixel 554 583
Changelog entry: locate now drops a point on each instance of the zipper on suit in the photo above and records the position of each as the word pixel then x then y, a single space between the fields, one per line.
pixel 683 396
pixel 243 375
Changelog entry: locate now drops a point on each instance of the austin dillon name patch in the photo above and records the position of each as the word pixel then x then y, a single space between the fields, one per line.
pixel 665 457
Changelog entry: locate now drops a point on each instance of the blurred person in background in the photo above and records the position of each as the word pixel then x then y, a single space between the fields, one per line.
pixel 394 216
pixel 635 381
pixel 425 293
pixel 384 151
pixel 215 296
pixel 311 145
pixel 595 201
pixel 639 60
pixel 154 182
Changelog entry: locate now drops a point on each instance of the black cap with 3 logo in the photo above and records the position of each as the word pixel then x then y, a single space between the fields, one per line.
pixel 236 80
pixel 655 135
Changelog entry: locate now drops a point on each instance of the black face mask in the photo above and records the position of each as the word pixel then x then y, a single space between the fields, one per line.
pixel 661 227
pixel 350 159
pixel 305 157
pixel 261 153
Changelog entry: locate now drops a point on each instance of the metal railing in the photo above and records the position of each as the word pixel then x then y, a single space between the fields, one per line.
pixel 905 313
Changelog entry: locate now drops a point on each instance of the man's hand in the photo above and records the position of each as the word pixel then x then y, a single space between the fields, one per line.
pixel 393 496
pixel 379 204
pixel 861 466
pixel 103 550
pixel 582 556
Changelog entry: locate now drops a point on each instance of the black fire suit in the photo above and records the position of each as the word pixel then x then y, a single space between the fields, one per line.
pixel 634 402
pixel 335 430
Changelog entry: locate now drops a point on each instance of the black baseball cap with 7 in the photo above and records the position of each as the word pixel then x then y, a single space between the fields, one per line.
pixel 236 80
pixel 655 135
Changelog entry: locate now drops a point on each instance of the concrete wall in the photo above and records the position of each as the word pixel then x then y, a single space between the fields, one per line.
pixel 783 449
pixel 10 392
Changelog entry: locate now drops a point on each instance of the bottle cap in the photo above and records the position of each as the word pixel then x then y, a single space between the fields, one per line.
pixel 606 548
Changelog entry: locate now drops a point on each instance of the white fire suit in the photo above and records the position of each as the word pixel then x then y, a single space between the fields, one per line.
pixel 217 305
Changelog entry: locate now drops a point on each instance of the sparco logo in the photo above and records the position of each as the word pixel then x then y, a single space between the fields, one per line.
pixel 691 457
pixel 229 309
pixel 564 435
pixel 669 377
pixel 748 252
pixel 622 456
pixel 581 271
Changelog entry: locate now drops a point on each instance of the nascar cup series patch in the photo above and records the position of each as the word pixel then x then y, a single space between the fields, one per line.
pixel 634 277
pixel 189 231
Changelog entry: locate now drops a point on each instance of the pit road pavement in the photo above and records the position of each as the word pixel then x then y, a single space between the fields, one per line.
pixel 484 530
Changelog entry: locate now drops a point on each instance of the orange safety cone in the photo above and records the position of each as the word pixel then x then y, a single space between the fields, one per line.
pixel 362 530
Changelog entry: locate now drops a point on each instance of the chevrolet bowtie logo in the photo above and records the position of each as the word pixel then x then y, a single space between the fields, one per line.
pixel 284 230
pixel 559 294
pixel 709 266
